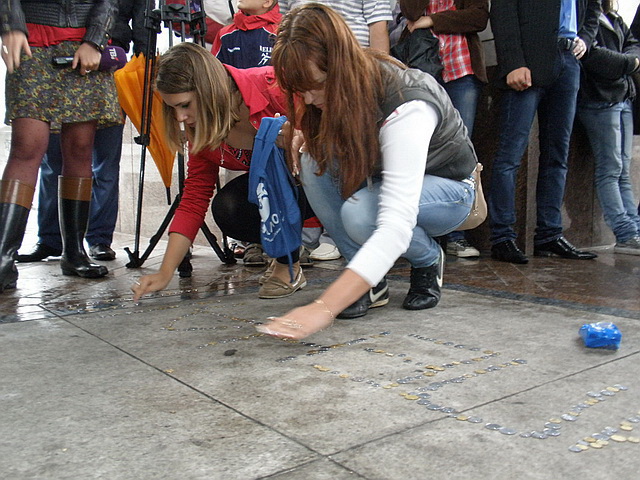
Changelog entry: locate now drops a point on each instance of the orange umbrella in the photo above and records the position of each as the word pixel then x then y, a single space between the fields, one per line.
pixel 130 85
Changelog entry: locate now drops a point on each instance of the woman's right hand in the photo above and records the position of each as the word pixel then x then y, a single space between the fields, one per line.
pixel 13 43
pixel 177 248
pixel 150 283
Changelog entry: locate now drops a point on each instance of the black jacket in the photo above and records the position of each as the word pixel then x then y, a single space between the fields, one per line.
pixel 607 67
pixel 97 16
pixel 526 34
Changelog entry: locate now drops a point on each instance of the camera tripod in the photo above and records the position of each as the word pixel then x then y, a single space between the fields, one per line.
pixel 180 18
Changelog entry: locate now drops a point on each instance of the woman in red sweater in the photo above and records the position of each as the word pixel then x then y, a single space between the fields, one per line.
pixel 221 108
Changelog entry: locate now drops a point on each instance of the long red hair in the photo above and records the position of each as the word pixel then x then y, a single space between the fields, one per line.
pixel 347 128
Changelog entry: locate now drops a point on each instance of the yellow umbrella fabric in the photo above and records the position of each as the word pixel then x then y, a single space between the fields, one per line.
pixel 130 84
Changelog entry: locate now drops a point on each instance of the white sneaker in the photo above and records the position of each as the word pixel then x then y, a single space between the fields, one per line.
pixel 630 247
pixel 325 251
pixel 462 248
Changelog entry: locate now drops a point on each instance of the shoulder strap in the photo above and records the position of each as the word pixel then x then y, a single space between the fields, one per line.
pixel 404 95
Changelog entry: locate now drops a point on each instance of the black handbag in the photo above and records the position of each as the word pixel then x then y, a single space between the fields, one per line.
pixel 420 49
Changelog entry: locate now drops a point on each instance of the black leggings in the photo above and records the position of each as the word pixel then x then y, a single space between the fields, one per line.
pixel 240 219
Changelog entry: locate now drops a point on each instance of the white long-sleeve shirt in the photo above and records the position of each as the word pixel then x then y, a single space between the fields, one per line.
pixel 404 144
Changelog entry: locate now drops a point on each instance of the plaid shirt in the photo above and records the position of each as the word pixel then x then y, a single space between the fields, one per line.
pixel 454 50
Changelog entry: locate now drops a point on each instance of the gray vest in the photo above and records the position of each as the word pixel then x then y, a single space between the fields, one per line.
pixel 451 153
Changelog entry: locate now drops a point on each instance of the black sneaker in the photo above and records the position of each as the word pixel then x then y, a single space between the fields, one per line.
pixel 426 282
pixel 377 296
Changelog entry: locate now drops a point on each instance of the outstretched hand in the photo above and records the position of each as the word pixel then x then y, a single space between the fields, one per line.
pixel 299 322
pixel 148 284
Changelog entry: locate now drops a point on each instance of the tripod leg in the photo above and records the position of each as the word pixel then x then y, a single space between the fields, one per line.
pixel 135 261
pixel 226 255
pixel 185 268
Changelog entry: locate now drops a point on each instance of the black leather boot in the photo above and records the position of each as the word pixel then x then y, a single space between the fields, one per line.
pixel 74 200
pixel 15 203
pixel 424 291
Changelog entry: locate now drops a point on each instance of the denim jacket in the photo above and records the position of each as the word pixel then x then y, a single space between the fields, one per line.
pixel 97 16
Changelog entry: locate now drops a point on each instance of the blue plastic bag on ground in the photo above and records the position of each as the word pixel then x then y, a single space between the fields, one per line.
pixel 601 335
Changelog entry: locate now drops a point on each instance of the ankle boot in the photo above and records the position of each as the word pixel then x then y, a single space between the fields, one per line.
pixel 74 199
pixel 15 203
pixel 424 291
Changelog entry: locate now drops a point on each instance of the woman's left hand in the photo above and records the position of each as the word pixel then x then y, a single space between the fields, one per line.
pixel 297 144
pixel 87 57
pixel 299 322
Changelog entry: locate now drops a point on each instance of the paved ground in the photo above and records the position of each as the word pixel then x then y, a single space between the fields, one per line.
pixel 495 383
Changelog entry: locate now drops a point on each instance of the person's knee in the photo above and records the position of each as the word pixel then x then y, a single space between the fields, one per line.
pixel 357 224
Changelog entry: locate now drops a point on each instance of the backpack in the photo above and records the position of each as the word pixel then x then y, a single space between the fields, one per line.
pixel 273 189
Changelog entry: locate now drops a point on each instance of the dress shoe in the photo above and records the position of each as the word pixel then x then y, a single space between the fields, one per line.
pixel 562 248
pixel 40 252
pixel 377 296
pixel 102 251
pixel 508 251
pixel 424 291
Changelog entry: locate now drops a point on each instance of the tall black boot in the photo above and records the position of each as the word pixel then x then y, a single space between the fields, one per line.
pixel 424 291
pixel 15 203
pixel 74 200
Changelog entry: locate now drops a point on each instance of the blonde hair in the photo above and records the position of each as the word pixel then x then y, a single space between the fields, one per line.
pixel 354 86
pixel 188 67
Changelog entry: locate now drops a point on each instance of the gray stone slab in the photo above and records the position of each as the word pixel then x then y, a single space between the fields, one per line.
pixel 324 469
pixel 74 406
pixel 453 449
pixel 334 398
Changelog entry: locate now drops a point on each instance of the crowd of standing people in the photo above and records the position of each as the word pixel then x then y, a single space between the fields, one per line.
pixel 383 154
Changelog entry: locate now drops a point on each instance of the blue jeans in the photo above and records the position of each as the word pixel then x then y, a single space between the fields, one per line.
pixel 107 148
pixel 444 205
pixel 610 130
pixel 464 93
pixel 556 106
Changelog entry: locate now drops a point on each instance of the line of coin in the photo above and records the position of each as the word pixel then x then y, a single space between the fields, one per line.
pixel 420 395
pixel 317 349
pixel 552 428
pixel 231 339
pixel 433 370
pixel 446 343
pixel 149 308
pixel 601 439
pixel 104 304
pixel 171 327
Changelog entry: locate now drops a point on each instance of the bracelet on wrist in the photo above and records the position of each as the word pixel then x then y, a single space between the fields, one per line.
pixel 326 309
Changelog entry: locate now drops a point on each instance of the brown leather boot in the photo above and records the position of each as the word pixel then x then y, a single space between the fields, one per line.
pixel 15 203
pixel 74 201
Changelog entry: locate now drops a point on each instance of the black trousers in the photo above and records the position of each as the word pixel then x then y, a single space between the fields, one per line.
pixel 240 219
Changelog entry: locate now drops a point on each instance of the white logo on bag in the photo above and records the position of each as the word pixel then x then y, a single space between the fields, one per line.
pixel 269 221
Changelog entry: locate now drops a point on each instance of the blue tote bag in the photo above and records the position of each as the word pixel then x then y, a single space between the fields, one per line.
pixel 273 189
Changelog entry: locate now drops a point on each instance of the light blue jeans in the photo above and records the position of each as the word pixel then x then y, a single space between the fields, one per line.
pixel 610 131
pixel 444 205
